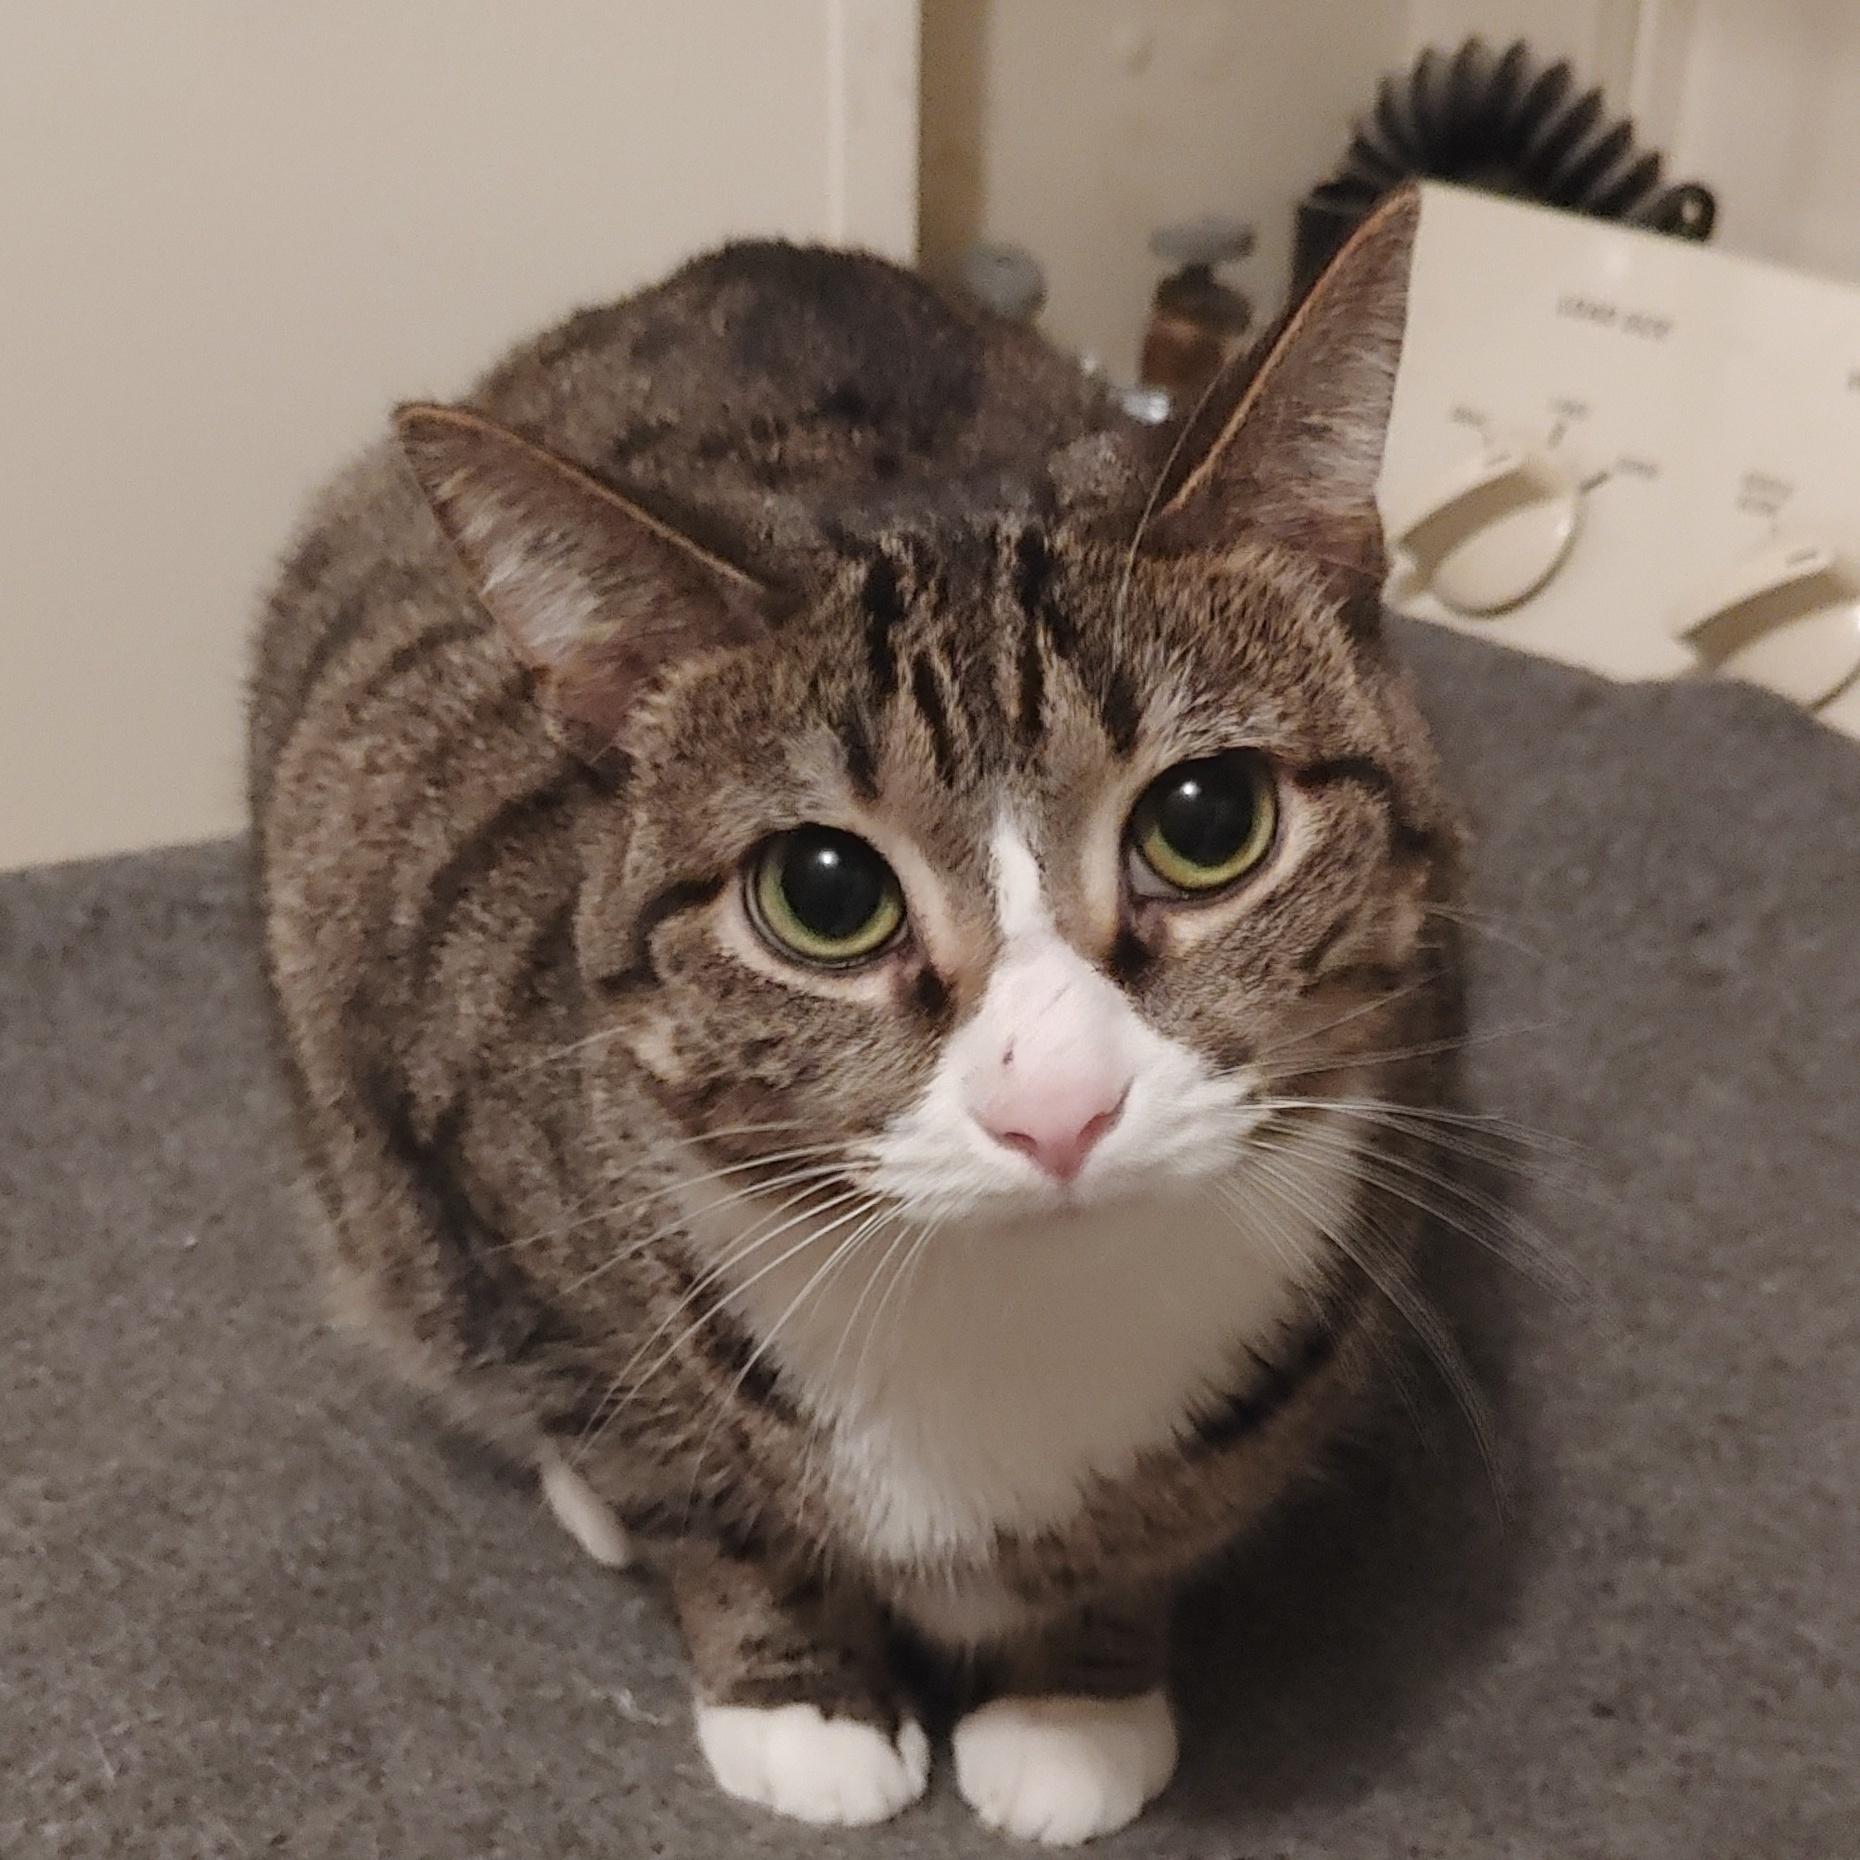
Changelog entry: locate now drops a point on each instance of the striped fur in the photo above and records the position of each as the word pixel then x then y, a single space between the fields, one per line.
pixel 525 1023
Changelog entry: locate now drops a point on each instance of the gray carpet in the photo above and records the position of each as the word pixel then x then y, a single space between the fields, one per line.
pixel 252 1601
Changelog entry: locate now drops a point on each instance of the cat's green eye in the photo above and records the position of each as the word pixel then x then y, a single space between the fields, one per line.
pixel 1203 825
pixel 824 897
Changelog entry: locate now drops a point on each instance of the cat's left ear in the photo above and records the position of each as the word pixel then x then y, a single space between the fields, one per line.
pixel 1296 453
pixel 597 596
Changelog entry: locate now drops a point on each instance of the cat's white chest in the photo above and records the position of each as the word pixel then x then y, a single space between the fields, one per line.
pixel 983 1385
pixel 1011 1381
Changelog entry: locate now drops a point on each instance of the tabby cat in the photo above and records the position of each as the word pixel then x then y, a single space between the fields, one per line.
pixel 859 941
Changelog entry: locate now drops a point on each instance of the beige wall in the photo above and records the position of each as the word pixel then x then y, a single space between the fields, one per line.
pixel 1597 36
pixel 1762 98
pixel 232 235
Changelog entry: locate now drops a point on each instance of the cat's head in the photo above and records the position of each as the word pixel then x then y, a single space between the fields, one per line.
pixel 1046 850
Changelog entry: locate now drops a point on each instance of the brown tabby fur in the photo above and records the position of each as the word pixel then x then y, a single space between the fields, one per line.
pixel 929 558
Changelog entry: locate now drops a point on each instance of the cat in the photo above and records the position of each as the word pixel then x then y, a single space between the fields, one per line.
pixel 861 943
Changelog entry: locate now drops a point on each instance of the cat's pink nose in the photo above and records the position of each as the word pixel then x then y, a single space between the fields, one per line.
pixel 1056 1130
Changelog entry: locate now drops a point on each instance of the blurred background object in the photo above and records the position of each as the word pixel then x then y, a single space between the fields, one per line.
pixel 1195 318
pixel 1507 123
pixel 1005 278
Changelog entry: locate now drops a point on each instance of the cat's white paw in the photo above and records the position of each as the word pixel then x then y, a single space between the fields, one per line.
pixel 581 1514
pixel 792 1759
pixel 1062 1770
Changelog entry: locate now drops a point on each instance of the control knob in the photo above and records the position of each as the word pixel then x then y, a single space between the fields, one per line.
pixel 1490 534
pixel 1786 618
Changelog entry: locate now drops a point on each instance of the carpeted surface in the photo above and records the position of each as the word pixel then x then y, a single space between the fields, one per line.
pixel 253 1601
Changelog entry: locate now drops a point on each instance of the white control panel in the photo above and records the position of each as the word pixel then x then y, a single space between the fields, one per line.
pixel 1629 453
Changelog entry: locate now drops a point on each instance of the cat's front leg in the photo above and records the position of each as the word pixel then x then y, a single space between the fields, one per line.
pixel 1079 1734
pixel 797 1708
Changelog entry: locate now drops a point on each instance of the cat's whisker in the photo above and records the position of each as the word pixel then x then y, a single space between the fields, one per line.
pixel 1475 1171
pixel 865 1292
pixel 1513 1155
pixel 905 1237
pixel 1514 1150
pixel 786 1214
pixel 1459 1207
pixel 1449 1146
pixel 1392 1365
pixel 1409 1303
pixel 808 1205
pixel 1487 1149
pixel 640 1199
pixel 625 1383
pixel 902 1282
pixel 774 1227
pixel 1305 1036
pixel 1492 927
pixel 871 1222
pixel 905 1228
pixel 1155 494
pixel 556 1055
pixel 1264 1223
pixel 824 1156
pixel 696 1139
pixel 680 1222
pixel 908 1272
pixel 863 1227
pixel 637 1201
pixel 1443 1350
pixel 1506 1131
pixel 897 1294
pixel 1420 1049
pixel 1274 1225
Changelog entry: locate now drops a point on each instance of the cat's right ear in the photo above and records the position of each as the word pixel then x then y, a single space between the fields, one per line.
pixel 1294 454
pixel 597 596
